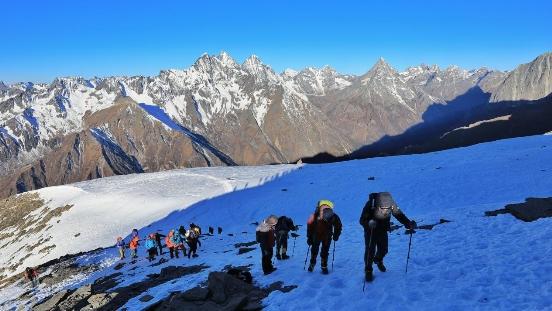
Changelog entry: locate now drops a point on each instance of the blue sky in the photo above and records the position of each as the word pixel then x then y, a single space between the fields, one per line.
pixel 44 39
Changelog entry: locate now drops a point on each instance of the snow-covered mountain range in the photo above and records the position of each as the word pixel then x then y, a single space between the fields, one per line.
pixel 219 112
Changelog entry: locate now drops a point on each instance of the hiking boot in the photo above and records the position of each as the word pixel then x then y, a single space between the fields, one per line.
pixel 325 270
pixel 284 257
pixel 195 255
pixel 278 257
pixel 311 267
pixel 368 275
pixel 269 271
pixel 380 265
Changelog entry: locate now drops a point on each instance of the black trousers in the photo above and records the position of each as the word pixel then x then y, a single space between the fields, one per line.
pixel 324 252
pixel 281 243
pixel 267 253
pixel 151 253
pixel 160 247
pixel 376 248
pixel 193 247
pixel 173 251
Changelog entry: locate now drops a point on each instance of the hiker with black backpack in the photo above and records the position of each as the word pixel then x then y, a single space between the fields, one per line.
pixel 265 237
pixel 159 245
pixel 283 227
pixel 192 239
pixel 376 221
pixel 322 226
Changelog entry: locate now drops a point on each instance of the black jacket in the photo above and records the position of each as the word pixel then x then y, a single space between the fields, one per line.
pixel 376 203
pixel 285 224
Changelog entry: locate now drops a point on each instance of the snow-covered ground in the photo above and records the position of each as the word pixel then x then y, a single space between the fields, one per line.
pixel 473 262
pixel 109 207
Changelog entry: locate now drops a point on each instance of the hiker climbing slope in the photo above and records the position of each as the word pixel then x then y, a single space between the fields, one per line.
pixel 192 239
pixel 121 247
pixel 283 227
pixel 32 276
pixel 158 237
pixel 375 219
pixel 265 237
pixel 322 226
pixel 133 245
pixel 151 247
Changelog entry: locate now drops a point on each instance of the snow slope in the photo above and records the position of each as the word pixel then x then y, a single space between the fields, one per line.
pixel 110 207
pixel 473 262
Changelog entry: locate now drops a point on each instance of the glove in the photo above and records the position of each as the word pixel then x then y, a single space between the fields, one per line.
pixel 309 241
pixel 413 225
pixel 371 224
pixel 336 237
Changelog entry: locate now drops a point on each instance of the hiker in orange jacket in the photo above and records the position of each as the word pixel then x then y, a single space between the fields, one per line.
pixel 175 243
pixel 133 245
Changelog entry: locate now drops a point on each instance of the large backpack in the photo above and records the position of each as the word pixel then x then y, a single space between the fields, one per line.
pixel 382 205
pixel 192 234
pixel 150 244
pixel 176 238
pixel 261 232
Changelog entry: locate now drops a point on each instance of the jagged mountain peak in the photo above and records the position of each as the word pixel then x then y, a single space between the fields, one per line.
pixel 261 72
pixel 253 61
pixel 220 62
pixel 3 86
pixel 226 59
pixel 379 71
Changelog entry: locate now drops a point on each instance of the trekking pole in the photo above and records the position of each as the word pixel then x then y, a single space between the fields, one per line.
pixel 307 257
pixel 333 255
pixel 369 247
pixel 293 251
pixel 408 256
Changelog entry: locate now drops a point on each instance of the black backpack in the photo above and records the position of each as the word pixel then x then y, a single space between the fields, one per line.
pixel 382 204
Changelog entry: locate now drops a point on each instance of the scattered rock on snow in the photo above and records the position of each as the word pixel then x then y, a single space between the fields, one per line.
pixel 146 298
pixel 244 250
pixel 531 210
pixel 52 302
pixel 245 244
pixel 223 292
pixel 196 294
pixel 99 300
pixel 76 300
pixel 101 296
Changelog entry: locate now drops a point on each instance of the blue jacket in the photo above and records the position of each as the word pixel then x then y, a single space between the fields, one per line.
pixel 150 244
pixel 121 243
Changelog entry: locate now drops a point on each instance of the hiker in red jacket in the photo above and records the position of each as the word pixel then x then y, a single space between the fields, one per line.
pixel 32 275
pixel 322 226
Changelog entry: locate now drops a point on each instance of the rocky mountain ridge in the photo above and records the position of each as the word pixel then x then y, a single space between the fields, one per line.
pixel 219 112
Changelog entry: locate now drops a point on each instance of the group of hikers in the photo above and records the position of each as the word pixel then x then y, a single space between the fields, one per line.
pixel 324 226
pixel 176 241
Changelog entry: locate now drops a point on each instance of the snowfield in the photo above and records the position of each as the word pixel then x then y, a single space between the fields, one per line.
pixel 472 262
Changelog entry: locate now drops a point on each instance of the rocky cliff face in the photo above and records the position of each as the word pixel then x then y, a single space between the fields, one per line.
pixel 219 112
pixel 531 81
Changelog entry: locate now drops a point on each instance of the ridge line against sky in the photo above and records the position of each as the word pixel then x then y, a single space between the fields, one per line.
pixel 42 40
